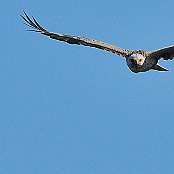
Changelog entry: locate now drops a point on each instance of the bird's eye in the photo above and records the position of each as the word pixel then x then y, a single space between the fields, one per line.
pixel 131 60
pixel 140 60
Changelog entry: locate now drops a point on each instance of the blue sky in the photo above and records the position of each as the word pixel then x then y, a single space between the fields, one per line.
pixel 76 110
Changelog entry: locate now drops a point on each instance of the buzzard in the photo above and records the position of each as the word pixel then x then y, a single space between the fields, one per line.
pixel 137 60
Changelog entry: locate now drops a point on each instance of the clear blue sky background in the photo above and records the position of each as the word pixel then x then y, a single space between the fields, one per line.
pixel 76 110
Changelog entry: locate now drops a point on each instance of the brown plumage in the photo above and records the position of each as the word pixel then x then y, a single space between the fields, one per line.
pixel 137 60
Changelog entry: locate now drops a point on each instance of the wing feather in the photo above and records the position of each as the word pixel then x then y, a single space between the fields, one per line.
pixel 166 53
pixel 74 39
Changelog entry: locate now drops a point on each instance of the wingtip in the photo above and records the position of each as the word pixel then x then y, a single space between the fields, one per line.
pixel 24 12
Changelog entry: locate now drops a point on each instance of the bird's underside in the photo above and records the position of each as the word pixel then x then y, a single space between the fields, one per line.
pixel 137 60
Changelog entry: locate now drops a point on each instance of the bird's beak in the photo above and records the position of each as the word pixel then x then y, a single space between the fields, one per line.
pixel 137 61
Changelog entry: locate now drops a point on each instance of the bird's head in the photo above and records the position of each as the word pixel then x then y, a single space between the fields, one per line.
pixel 135 60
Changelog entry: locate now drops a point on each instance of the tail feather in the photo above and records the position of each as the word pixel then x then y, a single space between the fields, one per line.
pixel 159 68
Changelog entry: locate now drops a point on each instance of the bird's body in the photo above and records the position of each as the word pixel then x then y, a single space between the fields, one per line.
pixel 137 60
pixel 140 62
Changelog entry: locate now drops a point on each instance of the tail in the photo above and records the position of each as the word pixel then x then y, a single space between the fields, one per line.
pixel 159 68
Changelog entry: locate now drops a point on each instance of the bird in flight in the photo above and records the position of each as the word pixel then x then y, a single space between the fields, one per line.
pixel 137 60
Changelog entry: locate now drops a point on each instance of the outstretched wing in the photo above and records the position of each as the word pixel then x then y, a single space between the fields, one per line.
pixel 74 39
pixel 166 53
